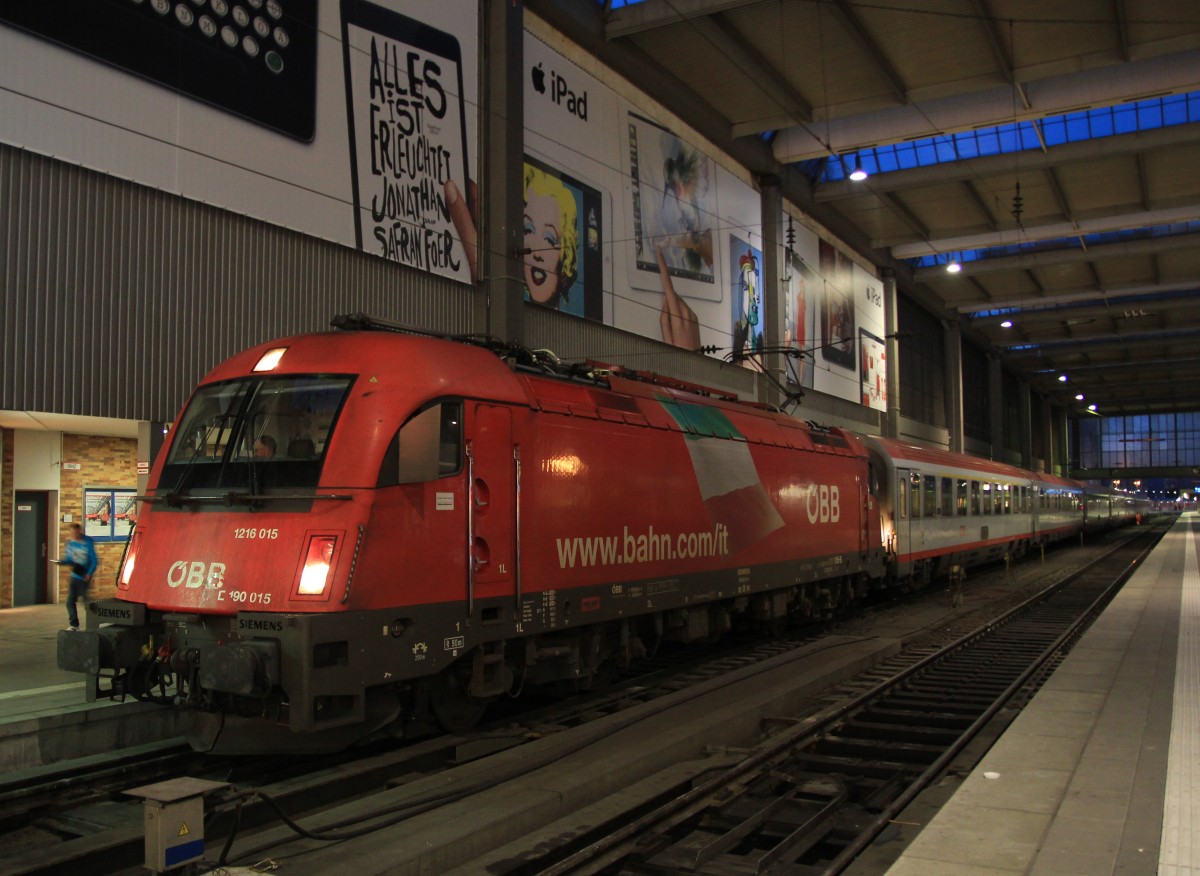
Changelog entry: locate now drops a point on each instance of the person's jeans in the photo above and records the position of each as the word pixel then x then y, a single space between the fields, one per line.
pixel 77 590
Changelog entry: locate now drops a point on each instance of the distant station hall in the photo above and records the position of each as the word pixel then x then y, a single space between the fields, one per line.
pixel 646 411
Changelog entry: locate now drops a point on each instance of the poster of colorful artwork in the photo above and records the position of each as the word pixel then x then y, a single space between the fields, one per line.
pixel 837 307
pixel 873 371
pixel 563 231
pixel 800 315
pixel 673 210
pixel 745 299
pixel 108 513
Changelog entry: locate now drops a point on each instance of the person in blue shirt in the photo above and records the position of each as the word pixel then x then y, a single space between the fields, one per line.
pixel 80 554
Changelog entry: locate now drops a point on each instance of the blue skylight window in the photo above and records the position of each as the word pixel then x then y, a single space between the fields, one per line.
pixel 1126 118
pixel 1076 242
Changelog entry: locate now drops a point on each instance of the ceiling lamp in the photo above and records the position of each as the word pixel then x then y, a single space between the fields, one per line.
pixel 1079 397
pixel 1006 324
pixel 859 173
pixel 953 267
pixel 1091 407
pixel 1062 378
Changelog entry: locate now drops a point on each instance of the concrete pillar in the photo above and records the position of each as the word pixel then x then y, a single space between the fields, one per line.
pixel 1048 435
pixel 500 301
pixel 773 299
pixel 1061 461
pixel 891 324
pixel 954 386
pixel 1025 412
pixel 996 405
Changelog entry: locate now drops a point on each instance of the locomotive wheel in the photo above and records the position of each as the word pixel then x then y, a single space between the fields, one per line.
pixel 456 710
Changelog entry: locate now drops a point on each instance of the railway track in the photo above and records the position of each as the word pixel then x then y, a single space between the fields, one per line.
pixel 74 841
pixel 73 817
pixel 816 794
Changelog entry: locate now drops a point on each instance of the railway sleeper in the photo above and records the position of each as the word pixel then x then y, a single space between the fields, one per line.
pixel 971 689
pixel 906 752
pixel 868 730
pixel 916 701
pixel 768 830
pixel 822 763
pixel 929 717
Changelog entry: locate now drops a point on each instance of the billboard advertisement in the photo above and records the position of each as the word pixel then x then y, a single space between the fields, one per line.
pixel 357 121
pixel 352 121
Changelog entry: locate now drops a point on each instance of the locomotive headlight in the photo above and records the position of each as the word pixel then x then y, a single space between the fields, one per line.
pixel 130 559
pixel 317 560
pixel 270 359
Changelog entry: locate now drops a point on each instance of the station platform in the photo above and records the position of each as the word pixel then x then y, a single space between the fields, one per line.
pixel 1100 773
pixel 44 715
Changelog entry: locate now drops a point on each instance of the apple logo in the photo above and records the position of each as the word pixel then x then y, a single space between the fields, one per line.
pixel 539 79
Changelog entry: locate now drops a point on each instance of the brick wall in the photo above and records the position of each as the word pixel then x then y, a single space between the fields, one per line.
pixel 103 462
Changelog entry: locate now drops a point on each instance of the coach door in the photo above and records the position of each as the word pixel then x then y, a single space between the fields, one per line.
pixel 492 464
pixel 904 513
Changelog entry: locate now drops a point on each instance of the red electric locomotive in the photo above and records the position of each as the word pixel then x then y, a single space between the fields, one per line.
pixel 360 530
pixel 367 530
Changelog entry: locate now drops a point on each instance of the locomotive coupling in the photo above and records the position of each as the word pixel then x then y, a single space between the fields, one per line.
pixel 246 668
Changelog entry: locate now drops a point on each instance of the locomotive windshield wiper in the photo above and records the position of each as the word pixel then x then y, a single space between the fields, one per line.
pixel 176 500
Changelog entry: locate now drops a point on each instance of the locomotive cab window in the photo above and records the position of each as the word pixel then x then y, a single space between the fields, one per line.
pixel 427 447
pixel 255 434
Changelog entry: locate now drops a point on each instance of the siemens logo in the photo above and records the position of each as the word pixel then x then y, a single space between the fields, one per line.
pixel 260 626
pixel 104 611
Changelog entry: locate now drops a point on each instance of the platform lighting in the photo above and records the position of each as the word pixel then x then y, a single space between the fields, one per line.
pixel 1091 407
pixel 1006 324
pixel 1062 378
pixel 858 174
pixel 954 267
pixel 1079 396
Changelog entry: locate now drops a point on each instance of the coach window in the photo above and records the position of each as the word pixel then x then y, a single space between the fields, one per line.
pixel 931 496
pixel 427 447
pixel 1006 498
pixel 975 497
pixel 947 496
pixel 987 498
pixel 999 509
pixel 914 493
pixel 961 499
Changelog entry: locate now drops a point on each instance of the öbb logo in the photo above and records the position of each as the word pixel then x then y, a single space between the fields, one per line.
pixel 194 574
pixel 824 504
